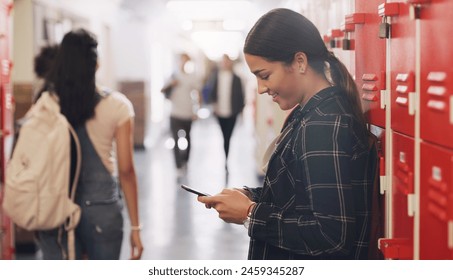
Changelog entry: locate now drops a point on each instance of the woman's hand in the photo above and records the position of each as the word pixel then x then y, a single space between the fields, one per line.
pixel 231 204
pixel 136 245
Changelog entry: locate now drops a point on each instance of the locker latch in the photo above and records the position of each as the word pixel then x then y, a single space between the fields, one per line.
pixel 334 34
pixel 416 7
pixel 386 10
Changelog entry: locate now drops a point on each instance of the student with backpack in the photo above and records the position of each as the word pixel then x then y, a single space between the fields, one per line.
pixel 102 120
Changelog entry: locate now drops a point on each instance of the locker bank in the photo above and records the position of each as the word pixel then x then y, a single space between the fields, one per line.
pixel 397 51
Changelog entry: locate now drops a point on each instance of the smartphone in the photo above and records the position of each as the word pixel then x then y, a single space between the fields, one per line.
pixel 194 191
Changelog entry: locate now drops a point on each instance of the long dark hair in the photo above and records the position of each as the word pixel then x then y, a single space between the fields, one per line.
pixel 281 33
pixel 72 76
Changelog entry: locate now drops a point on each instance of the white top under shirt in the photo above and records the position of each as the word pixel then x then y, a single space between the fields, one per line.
pixel 111 112
pixel 181 99
pixel 224 85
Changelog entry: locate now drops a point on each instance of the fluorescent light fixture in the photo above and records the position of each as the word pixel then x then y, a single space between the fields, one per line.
pixel 208 9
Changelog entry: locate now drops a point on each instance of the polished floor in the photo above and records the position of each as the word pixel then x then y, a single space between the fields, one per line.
pixel 176 225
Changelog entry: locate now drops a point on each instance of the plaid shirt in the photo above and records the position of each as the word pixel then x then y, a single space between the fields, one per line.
pixel 315 202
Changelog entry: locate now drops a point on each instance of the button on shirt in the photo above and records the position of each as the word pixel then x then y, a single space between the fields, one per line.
pixel 315 200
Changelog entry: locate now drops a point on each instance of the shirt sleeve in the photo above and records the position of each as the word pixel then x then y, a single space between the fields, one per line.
pixel 322 218
pixel 124 108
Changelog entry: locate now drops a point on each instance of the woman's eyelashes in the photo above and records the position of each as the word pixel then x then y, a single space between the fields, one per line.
pixel 264 77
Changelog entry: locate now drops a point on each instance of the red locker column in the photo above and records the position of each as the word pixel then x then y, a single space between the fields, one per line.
pixel 6 122
pixel 402 75
pixel 437 73
pixel 401 246
pixel 436 130
pixel 436 203
pixel 370 59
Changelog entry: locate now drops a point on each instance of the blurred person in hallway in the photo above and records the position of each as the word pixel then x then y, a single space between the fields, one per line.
pixel 315 201
pixel 103 120
pixel 183 92
pixel 227 95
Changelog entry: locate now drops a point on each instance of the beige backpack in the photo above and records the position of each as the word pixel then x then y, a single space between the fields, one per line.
pixel 38 174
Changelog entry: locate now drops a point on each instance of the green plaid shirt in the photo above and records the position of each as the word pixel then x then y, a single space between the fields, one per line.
pixel 315 202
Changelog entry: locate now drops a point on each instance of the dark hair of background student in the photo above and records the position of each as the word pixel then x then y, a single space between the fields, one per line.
pixel 73 76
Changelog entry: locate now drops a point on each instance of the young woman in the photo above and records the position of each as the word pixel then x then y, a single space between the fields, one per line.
pixel 315 201
pixel 100 119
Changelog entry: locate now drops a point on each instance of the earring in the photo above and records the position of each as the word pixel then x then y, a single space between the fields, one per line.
pixel 301 70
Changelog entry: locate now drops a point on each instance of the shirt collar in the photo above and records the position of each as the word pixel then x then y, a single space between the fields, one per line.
pixel 312 103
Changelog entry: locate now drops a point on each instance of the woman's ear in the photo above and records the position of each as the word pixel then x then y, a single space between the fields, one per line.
pixel 301 59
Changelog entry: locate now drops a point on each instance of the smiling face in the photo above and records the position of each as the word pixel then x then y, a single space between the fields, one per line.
pixel 280 81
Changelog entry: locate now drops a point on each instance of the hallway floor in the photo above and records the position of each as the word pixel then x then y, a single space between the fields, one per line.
pixel 176 225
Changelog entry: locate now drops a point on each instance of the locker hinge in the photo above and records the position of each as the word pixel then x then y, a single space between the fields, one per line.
pixel 382 184
pixel 412 103
pixel 411 205
pixel 383 98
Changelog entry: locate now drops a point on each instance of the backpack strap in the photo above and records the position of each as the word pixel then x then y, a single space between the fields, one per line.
pixel 72 222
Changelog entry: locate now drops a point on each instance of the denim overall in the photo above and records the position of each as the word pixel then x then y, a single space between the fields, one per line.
pixel 100 231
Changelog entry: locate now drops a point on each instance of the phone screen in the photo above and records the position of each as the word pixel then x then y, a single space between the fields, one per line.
pixel 194 191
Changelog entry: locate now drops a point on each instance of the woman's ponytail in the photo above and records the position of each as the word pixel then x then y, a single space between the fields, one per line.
pixel 341 78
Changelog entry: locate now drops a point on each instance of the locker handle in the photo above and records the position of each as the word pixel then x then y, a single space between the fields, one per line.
pixel 383 98
pixel 382 177
pixel 451 109
pixel 450 235
pixel 411 205
pixel 412 103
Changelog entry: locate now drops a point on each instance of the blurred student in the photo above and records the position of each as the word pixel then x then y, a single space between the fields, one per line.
pixel 103 120
pixel 183 91
pixel 315 201
pixel 227 95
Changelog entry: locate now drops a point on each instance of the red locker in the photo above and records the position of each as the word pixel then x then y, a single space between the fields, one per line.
pixel 6 121
pixel 400 246
pixel 436 203
pixel 370 59
pixel 436 73
pixel 402 41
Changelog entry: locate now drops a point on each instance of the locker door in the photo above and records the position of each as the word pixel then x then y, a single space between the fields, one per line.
pixel 6 122
pixel 402 75
pixel 436 202
pixel 401 246
pixel 370 59
pixel 437 73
